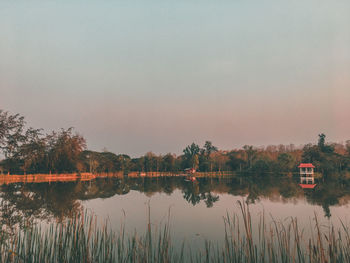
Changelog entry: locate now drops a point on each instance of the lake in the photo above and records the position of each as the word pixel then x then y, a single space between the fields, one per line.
pixel 195 211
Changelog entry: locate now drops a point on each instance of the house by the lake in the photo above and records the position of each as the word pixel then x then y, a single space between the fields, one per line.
pixel 190 170
pixel 307 179
pixel 306 169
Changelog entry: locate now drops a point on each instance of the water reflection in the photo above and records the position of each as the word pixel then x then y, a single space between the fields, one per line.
pixel 22 203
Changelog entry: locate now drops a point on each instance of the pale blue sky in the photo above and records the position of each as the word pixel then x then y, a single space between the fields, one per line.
pixel 138 76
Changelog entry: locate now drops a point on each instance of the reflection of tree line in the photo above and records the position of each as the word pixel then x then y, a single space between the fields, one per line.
pixel 22 203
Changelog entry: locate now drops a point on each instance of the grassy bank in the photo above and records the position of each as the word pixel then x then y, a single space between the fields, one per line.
pixel 81 239
pixel 40 178
pixel 67 177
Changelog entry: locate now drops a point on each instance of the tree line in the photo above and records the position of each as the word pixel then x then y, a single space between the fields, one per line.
pixel 29 150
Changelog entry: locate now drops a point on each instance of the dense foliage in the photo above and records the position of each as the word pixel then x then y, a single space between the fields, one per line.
pixel 28 150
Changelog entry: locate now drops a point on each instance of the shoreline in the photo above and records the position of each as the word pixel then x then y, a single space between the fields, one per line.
pixel 69 177
pixel 43 178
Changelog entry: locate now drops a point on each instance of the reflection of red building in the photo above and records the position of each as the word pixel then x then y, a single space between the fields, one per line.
pixel 307 186
pixel 191 178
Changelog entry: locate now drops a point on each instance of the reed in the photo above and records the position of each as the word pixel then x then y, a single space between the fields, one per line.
pixel 83 239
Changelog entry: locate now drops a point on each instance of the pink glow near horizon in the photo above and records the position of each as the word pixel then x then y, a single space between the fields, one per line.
pixel 147 77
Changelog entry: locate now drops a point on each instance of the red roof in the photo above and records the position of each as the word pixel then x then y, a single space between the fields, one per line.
pixel 307 186
pixel 306 165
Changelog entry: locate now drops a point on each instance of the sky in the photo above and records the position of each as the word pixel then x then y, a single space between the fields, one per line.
pixel 139 76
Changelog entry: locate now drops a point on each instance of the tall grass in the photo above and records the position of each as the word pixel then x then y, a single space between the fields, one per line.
pixel 82 239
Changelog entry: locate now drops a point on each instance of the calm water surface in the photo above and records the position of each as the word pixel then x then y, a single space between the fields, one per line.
pixel 196 209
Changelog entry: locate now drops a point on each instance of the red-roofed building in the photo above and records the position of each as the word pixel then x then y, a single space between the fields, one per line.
pixel 190 170
pixel 306 165
pixel 306 169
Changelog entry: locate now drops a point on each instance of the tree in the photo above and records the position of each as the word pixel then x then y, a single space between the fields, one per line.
pixel 191 155
pixel 208 150
pixel 124 162
pixel 323 156
pixel 151 162
pixel 191 150
pixel 168 162
pixel 286 162
pixel 138 164
pixel 108 162
pixel 23 148
pixel 347 147
pixel 235 161
pixel 220 159
pixel 11 132
pixel 33 151
pixel 195 161
pixel 321 140
pixel 323 146
pixel 64 150
pixel 262 166
pixel 251 154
